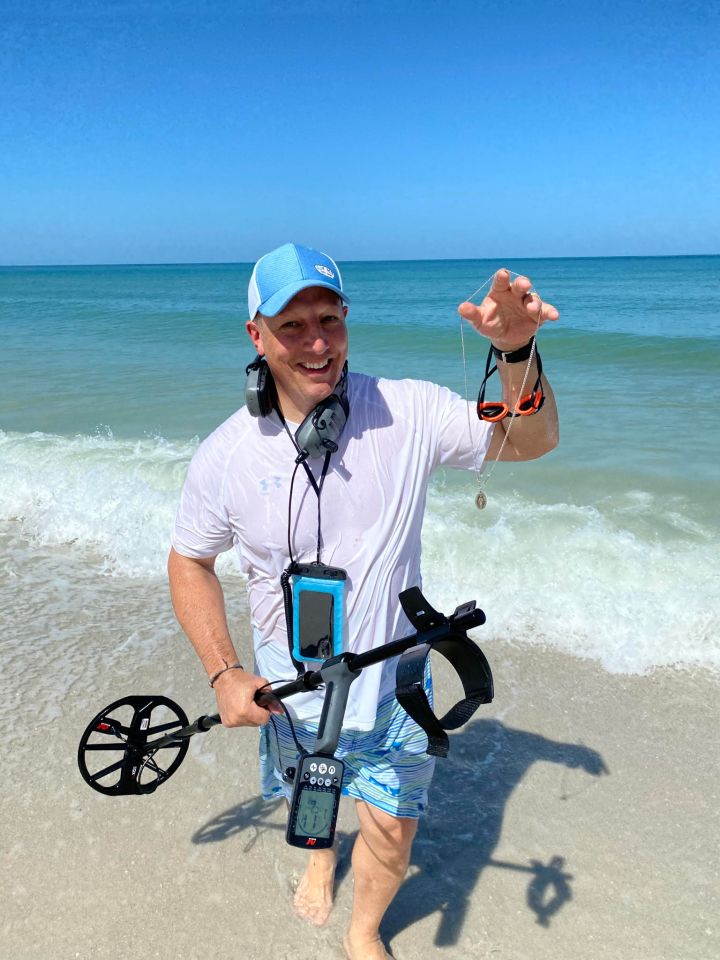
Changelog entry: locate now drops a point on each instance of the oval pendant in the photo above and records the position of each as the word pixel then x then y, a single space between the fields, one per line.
pixel 481 500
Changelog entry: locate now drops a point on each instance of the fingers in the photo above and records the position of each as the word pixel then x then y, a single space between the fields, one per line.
pixel 537 309
pixel 519 287
pixel 469 311
pixel 507 304
pixel 269 701
pixel 236 699
pixel 521 290
pixel 256 714
pixel 550 312
pixel 501 281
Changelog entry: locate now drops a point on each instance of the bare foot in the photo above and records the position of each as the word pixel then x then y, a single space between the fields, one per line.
pixel 314 895
pixel 356 948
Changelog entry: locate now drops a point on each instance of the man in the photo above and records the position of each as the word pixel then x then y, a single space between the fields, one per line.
pixel 361 509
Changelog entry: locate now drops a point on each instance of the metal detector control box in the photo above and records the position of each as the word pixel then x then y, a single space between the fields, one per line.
pixel 315 802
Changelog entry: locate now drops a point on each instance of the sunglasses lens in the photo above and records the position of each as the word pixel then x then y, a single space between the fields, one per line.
pixel 492 412
pixel 529 404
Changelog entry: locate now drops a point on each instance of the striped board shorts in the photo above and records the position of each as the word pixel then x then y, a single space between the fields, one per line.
pixel 387 767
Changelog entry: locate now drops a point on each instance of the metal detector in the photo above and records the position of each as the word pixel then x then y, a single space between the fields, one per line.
pixel 147 737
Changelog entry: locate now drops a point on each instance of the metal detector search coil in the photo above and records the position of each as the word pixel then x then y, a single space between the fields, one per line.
pixel 128 748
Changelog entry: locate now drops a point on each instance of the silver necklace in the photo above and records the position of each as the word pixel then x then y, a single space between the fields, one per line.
pixel 483 478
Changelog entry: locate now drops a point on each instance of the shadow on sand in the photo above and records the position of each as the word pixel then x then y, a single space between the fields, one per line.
pixel 456 841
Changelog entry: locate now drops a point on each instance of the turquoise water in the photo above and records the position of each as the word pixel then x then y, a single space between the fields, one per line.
pixel 110 375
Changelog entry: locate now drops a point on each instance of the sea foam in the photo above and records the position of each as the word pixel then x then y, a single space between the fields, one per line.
pixel 626 581
pixel 596 581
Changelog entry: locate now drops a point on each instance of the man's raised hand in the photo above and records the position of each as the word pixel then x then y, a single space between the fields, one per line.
pixel 509 315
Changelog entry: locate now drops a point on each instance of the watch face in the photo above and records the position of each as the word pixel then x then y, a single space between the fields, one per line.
pixel 315 812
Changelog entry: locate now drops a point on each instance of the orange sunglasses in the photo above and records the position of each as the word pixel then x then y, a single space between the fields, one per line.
pixel 494 410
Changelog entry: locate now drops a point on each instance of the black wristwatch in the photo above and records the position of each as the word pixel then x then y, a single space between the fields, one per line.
pixel 514 356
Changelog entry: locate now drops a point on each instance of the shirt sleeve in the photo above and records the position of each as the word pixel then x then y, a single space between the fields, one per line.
pixel 462 438
pixel 202 527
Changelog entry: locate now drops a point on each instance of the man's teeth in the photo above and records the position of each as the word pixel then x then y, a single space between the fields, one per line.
pixel 316 366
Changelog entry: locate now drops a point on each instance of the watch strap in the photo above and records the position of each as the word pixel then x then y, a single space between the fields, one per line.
pixel 514 356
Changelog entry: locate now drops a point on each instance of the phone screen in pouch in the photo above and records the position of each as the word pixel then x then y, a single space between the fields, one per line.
pixel 316 624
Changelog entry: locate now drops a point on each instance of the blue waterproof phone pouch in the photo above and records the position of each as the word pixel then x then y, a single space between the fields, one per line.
pixel 318 611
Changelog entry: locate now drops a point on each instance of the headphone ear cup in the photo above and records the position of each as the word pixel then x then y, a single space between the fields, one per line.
pixel 259 389
pixel 321 430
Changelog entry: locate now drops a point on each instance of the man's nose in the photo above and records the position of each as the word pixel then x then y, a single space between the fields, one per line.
pixel 318 339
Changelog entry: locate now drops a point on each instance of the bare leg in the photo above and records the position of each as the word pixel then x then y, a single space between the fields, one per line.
pixel 380 860
pixel 314 895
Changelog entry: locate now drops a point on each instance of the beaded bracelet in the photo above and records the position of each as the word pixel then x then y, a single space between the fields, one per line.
pixel 235 666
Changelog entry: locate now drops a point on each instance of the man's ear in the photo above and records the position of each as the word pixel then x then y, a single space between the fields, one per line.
pixel 255 334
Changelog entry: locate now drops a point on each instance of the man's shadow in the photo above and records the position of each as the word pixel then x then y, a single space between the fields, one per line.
pixel 457 839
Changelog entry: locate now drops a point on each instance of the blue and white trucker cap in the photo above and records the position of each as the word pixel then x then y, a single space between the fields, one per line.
pixel 282 273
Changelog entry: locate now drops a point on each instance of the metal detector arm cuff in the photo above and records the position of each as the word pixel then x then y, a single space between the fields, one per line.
pixel 448 636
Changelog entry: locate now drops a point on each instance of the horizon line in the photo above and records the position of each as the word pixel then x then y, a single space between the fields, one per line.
pixel 236 263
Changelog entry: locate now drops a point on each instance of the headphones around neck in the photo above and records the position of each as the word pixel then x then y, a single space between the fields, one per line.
pixel 321 429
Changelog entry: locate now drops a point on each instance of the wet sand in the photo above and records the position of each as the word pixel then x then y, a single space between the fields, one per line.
pixel 576 817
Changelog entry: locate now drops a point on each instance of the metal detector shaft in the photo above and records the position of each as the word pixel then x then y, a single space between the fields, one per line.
pixel 142 766
pixel 310 681
pixel 464 619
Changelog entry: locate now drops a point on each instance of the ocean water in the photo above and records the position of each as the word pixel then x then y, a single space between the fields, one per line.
pixel 607 548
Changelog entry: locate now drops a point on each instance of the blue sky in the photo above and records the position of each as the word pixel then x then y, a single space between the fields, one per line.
pixel 211 131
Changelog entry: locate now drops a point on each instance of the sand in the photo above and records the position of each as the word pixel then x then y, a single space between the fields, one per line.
pixel 575 818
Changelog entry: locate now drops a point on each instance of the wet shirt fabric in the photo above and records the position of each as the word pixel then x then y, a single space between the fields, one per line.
pixel 373 501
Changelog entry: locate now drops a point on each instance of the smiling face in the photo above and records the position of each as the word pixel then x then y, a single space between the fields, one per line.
pixel 305 346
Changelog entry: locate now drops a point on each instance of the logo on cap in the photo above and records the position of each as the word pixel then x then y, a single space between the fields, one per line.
pixel 325 271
